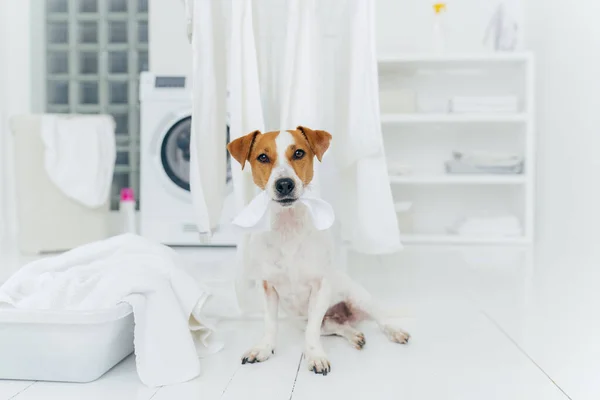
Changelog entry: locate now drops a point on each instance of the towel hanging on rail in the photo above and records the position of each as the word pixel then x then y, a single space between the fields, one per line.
pixel 79 155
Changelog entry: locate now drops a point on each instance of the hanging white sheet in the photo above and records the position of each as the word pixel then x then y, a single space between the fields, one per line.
pixel 246 115
pixel 368 216
pixel 208 137
pixel 300 74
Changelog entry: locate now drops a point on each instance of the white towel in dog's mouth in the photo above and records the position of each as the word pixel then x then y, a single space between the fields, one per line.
pixel 255 216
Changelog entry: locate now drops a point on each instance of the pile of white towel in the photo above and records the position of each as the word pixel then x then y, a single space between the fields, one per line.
pixel 171 329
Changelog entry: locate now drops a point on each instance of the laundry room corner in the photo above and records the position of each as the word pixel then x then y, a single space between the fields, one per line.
pixel 267 199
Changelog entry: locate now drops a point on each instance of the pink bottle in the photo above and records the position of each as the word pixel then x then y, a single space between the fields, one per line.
pixel 127 211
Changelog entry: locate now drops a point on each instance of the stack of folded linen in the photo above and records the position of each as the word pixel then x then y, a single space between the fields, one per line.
pixel 480 162
pixel 487 225
pixel 396 168
pixel 477 104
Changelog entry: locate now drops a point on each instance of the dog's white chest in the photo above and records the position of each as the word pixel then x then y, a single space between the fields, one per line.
pixel 291 257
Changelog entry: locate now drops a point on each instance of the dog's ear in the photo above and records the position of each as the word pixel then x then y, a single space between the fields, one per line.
pixel 317 140
pixel 240 148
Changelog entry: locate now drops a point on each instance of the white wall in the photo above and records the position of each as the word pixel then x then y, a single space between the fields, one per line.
pixel 407 25
pixel 566 40
pixel 169 52
pixel 15 98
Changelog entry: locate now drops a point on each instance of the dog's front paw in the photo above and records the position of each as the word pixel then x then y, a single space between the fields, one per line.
pixel 258 353
pixel 396 334
pixel 318 363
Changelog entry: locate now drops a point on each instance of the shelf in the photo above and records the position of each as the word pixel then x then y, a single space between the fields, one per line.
pixel 423 140
pixel 452 118
pixel 455 58
pixel 459 180
pixel 413 63
pixel 455 239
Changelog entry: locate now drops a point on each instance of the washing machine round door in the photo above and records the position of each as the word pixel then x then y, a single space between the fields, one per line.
pixel 175 153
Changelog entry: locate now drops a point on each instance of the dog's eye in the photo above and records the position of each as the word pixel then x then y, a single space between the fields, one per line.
pixel 299 154
pixel 263 158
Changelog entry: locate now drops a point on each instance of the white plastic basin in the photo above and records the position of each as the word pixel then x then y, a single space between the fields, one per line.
pixel 66 346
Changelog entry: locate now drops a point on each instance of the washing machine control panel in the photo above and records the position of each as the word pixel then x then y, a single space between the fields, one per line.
pixel 169 82
pixel 159 88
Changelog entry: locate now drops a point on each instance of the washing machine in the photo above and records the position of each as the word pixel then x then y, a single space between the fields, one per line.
pixel 166 213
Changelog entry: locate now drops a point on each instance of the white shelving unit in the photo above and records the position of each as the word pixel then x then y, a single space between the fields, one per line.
pixel 459 180
pixel 461 240
pixel 388 119
pixel 423 141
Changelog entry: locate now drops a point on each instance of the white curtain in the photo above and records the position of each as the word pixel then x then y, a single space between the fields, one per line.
pixel 368 215
pixel 245 105
pixel 246 115
pixel 208 160
pixel 301 70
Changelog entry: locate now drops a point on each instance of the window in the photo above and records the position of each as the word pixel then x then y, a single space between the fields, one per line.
pixel 95 50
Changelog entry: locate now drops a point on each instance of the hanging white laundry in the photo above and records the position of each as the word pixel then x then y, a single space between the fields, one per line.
pixel 208 136
pixel 79 156
pixel 300 74
pixel 368 216
pixel 246 114
pixel 357 94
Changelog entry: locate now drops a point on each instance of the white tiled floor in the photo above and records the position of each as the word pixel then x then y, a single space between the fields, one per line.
pixel 485 323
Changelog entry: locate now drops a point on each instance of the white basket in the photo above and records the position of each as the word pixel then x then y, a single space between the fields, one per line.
pixel 65 346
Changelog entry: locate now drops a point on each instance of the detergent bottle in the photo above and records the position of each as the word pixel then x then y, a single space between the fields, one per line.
pixel 439 39
pixel 127 211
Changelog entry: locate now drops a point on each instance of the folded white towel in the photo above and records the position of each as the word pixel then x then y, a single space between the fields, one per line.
pixel 488 225
pixel 487 158
pixel 169 328
pixel 396 168
pixel 80 156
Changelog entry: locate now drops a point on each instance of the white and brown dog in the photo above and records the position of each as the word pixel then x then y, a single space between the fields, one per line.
pixel 295 260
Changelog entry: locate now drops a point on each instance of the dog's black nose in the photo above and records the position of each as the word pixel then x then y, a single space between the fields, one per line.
pixel 284 186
